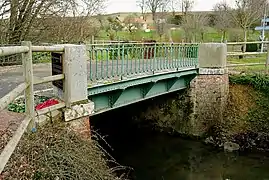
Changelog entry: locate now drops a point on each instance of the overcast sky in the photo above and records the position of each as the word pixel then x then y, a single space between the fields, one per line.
pixel 114 6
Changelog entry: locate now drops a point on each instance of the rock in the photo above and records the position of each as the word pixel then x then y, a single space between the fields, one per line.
pixel 230 146
pixel 209 140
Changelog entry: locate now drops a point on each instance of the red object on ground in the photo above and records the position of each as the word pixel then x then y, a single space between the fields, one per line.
pixel 47 103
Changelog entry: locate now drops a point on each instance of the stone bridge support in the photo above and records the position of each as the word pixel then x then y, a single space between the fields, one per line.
pixel 209 90
pixel 74 93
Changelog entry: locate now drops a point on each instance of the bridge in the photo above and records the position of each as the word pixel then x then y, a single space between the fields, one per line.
pixel 91 79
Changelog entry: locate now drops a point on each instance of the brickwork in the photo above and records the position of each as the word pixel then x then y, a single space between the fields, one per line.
pixel 82 127
pixel 209 95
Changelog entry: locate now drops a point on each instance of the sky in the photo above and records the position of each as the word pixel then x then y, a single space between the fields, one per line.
pixel 114 6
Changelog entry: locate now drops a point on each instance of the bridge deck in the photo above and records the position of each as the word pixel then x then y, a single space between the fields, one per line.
pixel 113 70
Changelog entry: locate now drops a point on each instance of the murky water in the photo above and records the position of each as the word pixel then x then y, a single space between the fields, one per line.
pixel 158 156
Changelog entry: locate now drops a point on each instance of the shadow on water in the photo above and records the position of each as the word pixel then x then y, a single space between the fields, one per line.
pixel 159 156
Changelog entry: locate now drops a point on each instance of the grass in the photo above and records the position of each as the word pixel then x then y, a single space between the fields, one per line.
pixel 211 35
pixel 248 60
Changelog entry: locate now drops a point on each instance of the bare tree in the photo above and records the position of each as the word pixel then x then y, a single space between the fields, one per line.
pixel 186 6
pixel 246 13
pixel 194 25
pixel 175 4
pixel 155 5
pixel 143 7
pixel 23 15
pixel 222 19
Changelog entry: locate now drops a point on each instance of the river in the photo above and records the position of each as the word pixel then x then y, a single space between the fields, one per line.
pixel 159 156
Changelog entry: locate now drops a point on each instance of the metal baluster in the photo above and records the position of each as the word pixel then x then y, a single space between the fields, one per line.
pixel 102 63
pixel 107 62
pixel 96 63
pixel 122 61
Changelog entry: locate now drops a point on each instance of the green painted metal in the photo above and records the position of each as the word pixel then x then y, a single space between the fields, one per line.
pixel 149 70
pixel 115 95
pixel 116 60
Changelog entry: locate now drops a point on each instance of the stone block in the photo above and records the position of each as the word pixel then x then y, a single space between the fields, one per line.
pixel 81 127
pixel 43 119
pixel 78 111
pixel 212 55
pixel 75 71
pixel 215 71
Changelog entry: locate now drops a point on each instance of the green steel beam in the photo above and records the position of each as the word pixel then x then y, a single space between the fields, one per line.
pixel 103 88
pixel 121 94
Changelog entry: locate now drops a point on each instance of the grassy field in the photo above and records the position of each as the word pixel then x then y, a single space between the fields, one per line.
pixel 247 60
pixel 178 35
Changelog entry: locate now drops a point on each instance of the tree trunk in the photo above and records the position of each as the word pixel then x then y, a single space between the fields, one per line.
pixel 245 40
pixel 202 36
pixel 153 16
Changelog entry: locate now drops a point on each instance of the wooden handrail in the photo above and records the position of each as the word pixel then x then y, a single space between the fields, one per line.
pixel 55 48
pixel 48 79
pixel 253 42
pixel 7 99
pixel 6 51
pixel 12 144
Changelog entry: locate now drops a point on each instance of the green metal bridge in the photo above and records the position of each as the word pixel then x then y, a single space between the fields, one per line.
pixel 122 74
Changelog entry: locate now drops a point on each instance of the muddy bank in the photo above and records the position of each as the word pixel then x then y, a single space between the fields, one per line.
pixel 246 121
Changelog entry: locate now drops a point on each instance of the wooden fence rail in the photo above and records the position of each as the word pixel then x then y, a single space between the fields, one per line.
pixel 266 61
pixel 27 86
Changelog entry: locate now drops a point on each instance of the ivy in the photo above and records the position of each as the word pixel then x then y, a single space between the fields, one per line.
pixel 258 81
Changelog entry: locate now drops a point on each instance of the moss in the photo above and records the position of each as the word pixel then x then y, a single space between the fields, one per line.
pixel 248 106
pixel 170 113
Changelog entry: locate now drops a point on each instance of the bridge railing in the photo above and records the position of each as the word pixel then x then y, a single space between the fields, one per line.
pixel 25 51
pixel 109 61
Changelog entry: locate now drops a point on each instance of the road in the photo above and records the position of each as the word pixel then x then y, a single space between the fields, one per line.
pixel 12 76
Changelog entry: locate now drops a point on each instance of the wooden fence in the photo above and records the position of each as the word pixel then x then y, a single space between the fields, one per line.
pixel 27 87
pixel 240 53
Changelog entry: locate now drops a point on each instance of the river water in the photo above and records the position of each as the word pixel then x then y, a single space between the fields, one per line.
pixel 158 156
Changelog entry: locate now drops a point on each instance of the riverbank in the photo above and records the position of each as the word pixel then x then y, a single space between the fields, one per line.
pixel 246 121
pixel 151 154
pixel 56 152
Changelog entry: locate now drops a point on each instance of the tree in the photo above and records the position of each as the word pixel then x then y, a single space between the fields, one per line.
pixel 194 26
pixel 246 12
pixel 155 5
pixel 114 26
pixel 161 23
pixel 23 15
pixel 143 7
pixel 186 6
pixel 222 18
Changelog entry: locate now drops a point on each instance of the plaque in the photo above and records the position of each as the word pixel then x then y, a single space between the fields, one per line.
pixel 57 68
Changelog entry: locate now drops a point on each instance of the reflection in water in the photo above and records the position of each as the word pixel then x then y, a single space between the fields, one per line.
pixel 157 156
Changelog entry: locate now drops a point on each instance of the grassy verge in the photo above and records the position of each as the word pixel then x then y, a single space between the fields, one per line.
pixel 56 152
pixel 248 60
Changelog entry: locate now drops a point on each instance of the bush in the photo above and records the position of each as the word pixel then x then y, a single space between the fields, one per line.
pixel 251 48
pixel 56 152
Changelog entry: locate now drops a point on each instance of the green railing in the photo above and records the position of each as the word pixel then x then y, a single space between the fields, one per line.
pixel 114 61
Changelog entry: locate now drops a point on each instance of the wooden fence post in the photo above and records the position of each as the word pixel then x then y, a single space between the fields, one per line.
pixel 29 91
pixel 267 59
